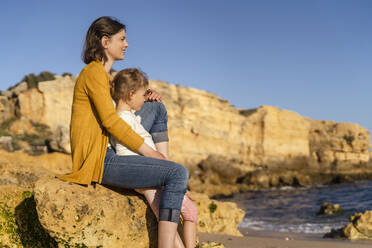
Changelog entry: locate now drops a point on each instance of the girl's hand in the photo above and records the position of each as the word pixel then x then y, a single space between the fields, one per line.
pixel 190 196
pixel 152 95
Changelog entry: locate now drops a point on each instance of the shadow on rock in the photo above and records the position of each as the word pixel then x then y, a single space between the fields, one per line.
pixel 30 231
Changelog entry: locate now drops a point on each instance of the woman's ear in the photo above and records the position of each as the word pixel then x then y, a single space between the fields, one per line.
pixel 104 41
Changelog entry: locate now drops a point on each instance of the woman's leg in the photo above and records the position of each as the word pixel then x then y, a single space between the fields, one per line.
pixel 153 198
pixel 144 172
pixel 189 213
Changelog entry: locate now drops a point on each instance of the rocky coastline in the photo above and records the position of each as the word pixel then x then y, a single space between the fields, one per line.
pixel 227 151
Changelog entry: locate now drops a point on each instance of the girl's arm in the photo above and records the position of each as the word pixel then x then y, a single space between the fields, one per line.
pixel 145 149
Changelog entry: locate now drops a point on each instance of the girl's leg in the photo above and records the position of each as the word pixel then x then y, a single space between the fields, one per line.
pixel 189 213
pixel 155 120
pixel 144 172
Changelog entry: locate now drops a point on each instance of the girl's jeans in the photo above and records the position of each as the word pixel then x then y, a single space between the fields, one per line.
pixel 145 172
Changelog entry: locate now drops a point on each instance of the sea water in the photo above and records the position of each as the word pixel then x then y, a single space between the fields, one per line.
pixel 291 209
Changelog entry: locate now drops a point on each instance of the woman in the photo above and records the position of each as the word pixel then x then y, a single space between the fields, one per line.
pixel 94 117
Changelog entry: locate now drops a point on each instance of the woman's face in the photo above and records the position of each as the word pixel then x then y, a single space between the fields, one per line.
pixel 115 45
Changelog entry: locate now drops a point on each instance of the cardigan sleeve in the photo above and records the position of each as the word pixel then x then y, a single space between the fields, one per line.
pixel 98 90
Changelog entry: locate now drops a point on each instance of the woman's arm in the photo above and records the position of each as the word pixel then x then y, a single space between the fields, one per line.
pixel 147 151
pixel 98 91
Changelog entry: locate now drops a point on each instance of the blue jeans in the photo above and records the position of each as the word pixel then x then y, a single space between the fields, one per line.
pixel 144 172
pixel 154 119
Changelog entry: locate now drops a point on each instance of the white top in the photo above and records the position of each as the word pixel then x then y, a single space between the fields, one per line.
pixel 135 122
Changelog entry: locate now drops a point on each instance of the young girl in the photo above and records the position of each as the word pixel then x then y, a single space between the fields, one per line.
pixel 129 88
pixel 93 119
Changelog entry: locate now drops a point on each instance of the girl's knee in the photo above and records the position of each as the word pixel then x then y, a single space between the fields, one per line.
pixel 189 211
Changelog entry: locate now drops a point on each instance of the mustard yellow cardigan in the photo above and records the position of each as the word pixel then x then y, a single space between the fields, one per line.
pixel 93 117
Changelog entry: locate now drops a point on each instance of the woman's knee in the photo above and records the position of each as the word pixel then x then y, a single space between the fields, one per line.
pixel 182 173
pixel 179 175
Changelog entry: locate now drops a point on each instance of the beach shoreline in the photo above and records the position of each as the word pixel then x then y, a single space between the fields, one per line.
pixel 268 239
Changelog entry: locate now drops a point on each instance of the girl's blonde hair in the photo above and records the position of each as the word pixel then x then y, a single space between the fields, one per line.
pixel 127 80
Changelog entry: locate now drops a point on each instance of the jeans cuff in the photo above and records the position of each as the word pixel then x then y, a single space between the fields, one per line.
pixel 160 137
pixel 167 214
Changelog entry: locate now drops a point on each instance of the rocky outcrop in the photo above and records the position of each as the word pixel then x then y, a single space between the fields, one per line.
pixel 262 147
pixel 48 105
pixel 75 214
pixel 359 228
pixel 330 209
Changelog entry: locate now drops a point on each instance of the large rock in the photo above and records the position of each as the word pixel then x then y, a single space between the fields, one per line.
pixel 359 228
pixel 77 215
pixel 328 208
pixel 218 217
pixel 73 215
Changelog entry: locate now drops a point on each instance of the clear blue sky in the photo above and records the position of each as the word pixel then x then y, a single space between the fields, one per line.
pixel 312 57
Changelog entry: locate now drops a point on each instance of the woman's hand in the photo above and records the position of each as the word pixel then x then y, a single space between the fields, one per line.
pixel 152 95
pixel 147 151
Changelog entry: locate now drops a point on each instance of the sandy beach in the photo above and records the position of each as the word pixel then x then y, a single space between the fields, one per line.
pixel 263 239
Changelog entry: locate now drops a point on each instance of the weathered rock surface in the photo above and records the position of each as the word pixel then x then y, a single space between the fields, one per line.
pixel 47 104
pixel 265 147
pixel 20 169
pixel 19 224
pixel 218 217
pixel 75 214
pixel 359 228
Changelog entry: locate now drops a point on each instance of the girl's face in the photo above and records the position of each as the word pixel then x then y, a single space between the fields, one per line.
pixel 115 46
pixel 137 98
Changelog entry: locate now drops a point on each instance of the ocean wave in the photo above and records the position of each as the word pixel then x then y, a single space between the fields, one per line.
pixel 311 228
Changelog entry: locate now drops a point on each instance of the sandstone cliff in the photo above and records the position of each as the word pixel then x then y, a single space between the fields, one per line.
pixel 259 148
